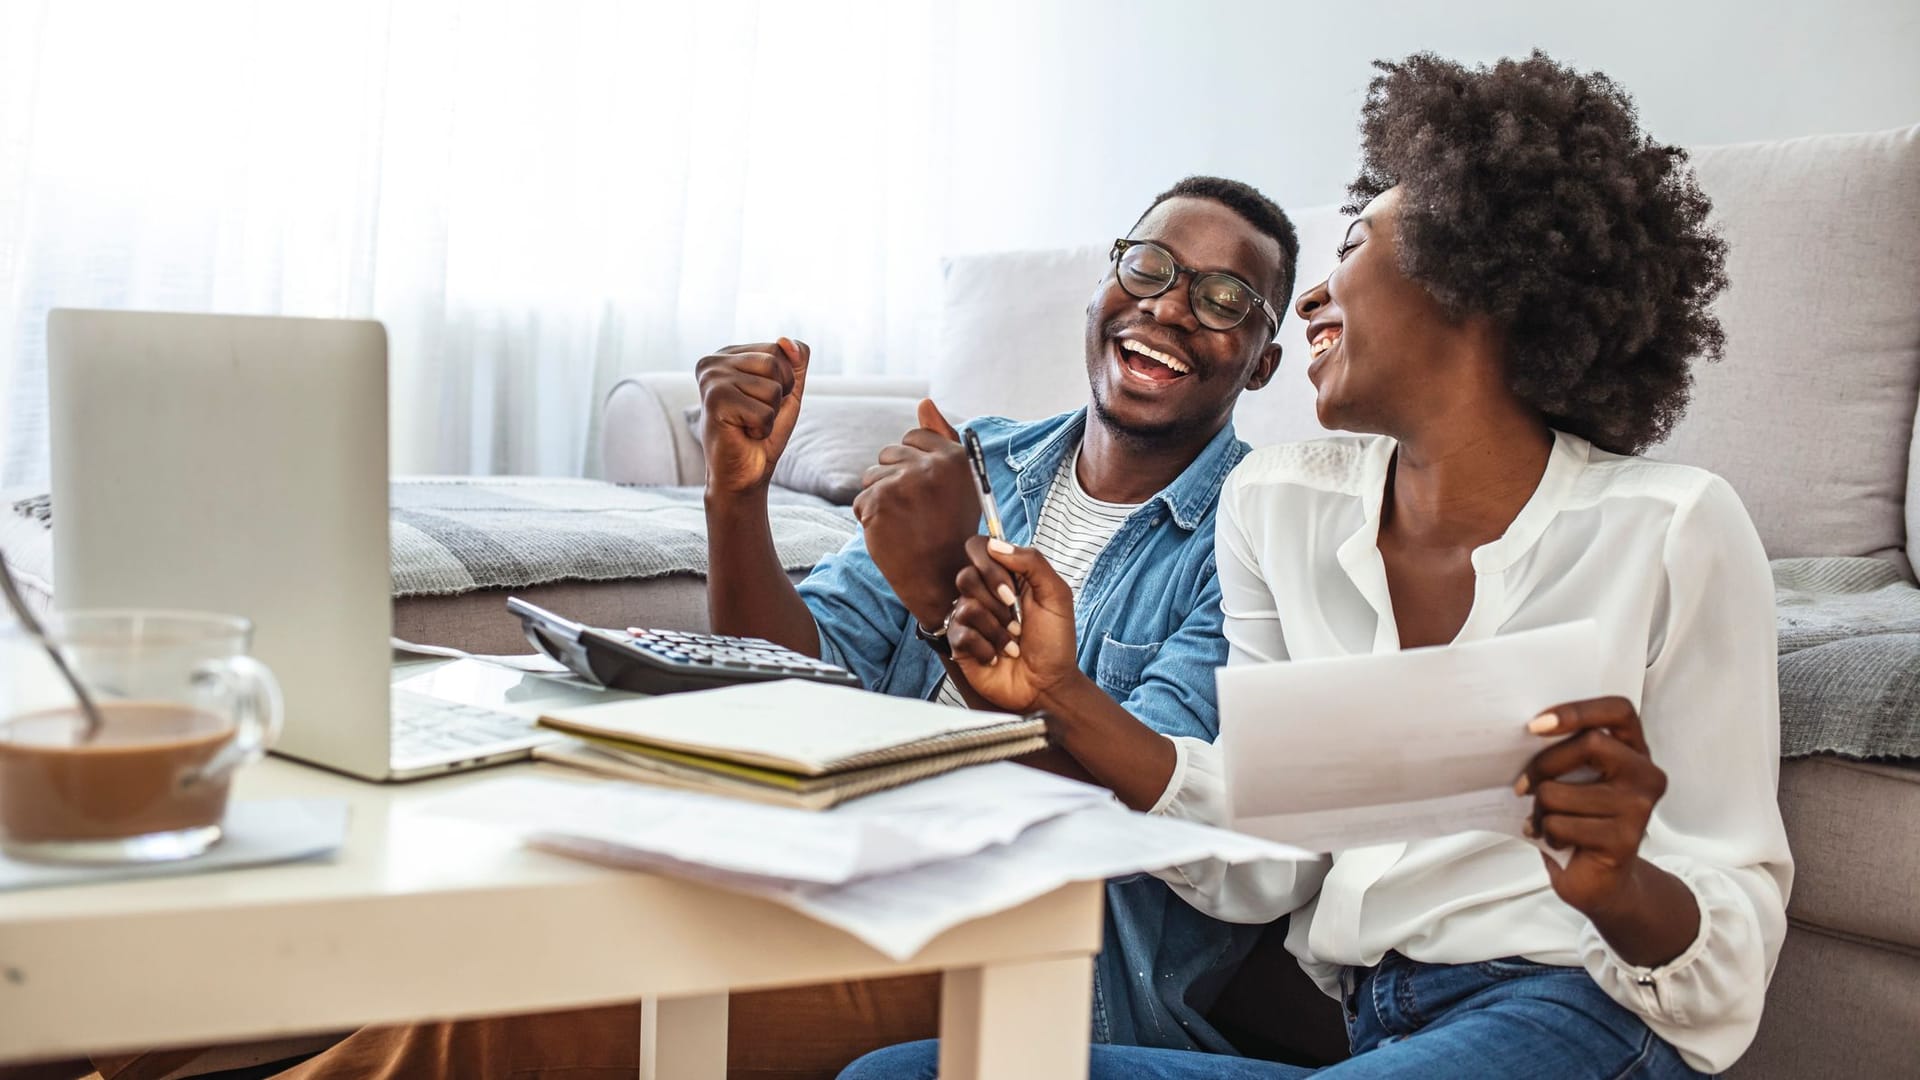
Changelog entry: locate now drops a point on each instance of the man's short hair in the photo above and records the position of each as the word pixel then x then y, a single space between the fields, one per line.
pixel 1256 209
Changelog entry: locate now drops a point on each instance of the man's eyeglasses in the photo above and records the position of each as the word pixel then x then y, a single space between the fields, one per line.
pixel 1219 301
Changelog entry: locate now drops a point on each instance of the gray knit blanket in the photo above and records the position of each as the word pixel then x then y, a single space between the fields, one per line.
pixel 1849 658
pixel 462 534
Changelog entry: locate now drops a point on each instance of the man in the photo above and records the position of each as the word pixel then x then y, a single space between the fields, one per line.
pixel 1118 496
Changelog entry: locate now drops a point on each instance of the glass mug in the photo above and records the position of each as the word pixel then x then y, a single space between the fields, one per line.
pixel 181 707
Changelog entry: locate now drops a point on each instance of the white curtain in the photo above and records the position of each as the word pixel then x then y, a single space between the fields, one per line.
pixel 534 197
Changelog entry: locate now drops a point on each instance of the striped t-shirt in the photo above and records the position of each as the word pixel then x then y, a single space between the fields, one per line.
pixel 1074 529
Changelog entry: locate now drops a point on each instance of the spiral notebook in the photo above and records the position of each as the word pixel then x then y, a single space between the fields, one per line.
pixel 802 738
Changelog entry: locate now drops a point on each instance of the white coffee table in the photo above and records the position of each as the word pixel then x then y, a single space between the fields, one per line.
pixel 420 917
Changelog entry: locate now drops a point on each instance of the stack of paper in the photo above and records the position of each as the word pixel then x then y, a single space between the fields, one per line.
pixel 790 742
pixel 942 818
pixel 895 869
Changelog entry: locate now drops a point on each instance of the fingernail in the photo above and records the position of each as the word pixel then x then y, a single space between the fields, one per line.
pixel 995 660
pixel 1543 723
pixel 1005 593
pixel 1014 628
pixel 1000 547
pixel 1013 649
pixel 1526 829
pixel 1520 786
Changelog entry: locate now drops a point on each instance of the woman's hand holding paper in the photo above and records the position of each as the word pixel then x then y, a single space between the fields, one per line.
pixel 1647 914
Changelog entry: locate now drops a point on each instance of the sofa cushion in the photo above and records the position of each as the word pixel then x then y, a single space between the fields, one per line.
pixel 835 441
pixel 479 622
pixel 1851 826
pixel 1811 414
pixel 1013 332
pixel 1836 1007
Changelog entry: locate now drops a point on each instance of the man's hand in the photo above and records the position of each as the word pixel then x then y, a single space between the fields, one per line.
pixel 1013 663
pixel 917 508
pixel 1647 914
pixel 749 401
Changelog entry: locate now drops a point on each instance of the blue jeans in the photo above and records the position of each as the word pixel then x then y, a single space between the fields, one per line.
pixel 1409 1019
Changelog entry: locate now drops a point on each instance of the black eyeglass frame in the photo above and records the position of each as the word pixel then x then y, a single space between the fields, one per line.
pixel 1120 247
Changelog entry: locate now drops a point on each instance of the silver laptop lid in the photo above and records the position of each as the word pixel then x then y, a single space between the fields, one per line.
pixel 236 464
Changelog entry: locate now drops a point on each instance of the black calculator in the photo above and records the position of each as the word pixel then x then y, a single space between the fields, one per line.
pixel 666 661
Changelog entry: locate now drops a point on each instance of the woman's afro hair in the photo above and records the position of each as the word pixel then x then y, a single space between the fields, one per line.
pixel 1530 195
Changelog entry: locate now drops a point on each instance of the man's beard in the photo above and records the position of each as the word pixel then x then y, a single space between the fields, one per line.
pixel 1172 430
pixel 1155 434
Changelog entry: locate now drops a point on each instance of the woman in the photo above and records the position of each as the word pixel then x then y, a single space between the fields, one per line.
pixel 1512 317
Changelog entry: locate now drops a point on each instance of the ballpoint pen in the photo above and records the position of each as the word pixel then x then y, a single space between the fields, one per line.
pixel 988 507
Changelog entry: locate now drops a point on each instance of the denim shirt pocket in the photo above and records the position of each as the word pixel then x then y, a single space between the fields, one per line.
pixel 1120 665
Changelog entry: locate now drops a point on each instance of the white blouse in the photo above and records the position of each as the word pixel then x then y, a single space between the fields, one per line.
pixel 1665 559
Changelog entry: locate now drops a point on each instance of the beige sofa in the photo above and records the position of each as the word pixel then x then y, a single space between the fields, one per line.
pixel 1810 416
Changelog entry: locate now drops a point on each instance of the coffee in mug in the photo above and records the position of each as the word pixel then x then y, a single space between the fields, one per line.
pixel 180 706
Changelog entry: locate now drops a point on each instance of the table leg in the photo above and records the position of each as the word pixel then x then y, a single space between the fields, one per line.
pixel 683 1038
pixel 1025 1021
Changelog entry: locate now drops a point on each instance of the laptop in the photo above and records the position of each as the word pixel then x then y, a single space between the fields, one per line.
pixel 239 464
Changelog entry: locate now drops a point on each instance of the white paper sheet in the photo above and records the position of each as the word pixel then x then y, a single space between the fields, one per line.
pixel 1342 753
pixel 531 663
pixel 945 817
pixel 899 913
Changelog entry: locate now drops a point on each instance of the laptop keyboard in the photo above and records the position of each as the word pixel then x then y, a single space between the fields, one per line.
pixel 428 727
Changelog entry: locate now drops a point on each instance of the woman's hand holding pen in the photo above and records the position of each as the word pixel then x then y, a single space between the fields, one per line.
pixel 1015 662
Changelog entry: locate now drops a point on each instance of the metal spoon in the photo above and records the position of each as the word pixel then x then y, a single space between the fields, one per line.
pixel 32 624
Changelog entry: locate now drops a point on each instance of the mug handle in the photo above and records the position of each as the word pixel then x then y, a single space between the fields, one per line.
pixel 258 711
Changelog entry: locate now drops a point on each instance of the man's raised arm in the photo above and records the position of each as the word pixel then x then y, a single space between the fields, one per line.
pixel 750 398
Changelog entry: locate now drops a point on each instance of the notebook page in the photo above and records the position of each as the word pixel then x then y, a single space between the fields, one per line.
pixel 794 724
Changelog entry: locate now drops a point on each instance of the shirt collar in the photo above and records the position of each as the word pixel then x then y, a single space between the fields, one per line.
pixel 1359 554
pixel 1035 453
pixel 1565 462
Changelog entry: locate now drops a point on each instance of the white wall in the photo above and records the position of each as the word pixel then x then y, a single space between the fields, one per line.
pixel 1067 116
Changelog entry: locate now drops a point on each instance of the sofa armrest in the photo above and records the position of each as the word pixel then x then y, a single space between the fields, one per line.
pixel 643 432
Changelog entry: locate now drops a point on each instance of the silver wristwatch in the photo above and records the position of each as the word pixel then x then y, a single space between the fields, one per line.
pixel 937 638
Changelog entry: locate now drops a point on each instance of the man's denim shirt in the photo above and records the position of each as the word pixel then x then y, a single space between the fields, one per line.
pixel 1148 625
